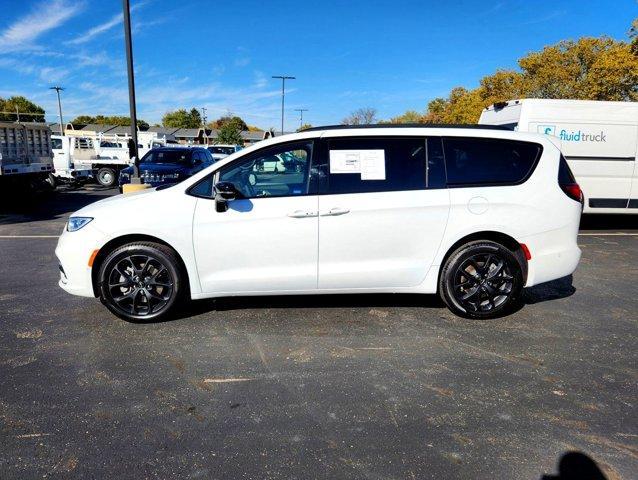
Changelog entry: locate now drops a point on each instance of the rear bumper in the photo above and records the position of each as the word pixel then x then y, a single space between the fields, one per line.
pixel 555 254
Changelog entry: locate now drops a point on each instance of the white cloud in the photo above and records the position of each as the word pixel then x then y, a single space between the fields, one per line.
pixel 93 32
pixel 97 30
pixel 44 16
pixel 242 62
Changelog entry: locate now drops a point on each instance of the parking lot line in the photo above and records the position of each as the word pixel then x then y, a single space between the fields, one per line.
pixel 29 236
pixel 609 234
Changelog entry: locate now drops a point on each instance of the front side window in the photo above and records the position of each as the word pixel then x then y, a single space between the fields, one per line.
pixel 488 161
pixel 279 171
pixel 360 165
pixel 56 143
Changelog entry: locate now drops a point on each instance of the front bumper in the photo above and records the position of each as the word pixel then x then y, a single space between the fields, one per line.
pixel 73 252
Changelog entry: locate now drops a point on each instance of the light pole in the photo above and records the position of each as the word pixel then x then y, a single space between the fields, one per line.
pixel 128 46
pixel 283 94
pixel 57 89
pixel 301 110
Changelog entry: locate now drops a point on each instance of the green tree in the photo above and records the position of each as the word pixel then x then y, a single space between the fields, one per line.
pixel 217 124
pixel 230 133
pixel 305 126
pixel 29 111
pixel 410 116
pixel 119 120
pixel 182 119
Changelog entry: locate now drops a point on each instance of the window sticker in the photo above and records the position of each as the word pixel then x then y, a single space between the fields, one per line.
pixel 370 164
pixel 373 165
pixel 345 161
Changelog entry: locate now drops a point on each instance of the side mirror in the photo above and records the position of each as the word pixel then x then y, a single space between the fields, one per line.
pixel 224 192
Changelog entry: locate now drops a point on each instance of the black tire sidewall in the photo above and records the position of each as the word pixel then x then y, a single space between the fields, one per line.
pixel 446 285
pixel 105 170
pixel 164 255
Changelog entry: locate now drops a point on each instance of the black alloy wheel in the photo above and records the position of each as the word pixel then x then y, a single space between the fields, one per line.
pixel 140 282
pixel 482 280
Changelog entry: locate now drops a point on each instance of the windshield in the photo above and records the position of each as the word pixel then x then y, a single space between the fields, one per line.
pixel 222 150
pixel 182 156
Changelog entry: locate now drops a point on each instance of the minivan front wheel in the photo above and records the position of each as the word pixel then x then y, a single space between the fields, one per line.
pixel 141 281
pixel 481 279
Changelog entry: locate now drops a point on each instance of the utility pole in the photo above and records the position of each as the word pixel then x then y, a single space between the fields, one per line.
pixel 128 46
pixel 283 95
pixel 301 110
pixel 17 114
pixel 57 90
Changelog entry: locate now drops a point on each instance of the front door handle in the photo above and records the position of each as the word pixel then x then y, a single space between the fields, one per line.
pixel 302 214
pixel 333 212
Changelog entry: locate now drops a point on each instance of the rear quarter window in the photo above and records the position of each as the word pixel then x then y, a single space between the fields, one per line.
pixel 488 161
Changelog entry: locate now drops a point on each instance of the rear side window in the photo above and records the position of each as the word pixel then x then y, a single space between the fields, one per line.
pixel 487 161
pixel 361 165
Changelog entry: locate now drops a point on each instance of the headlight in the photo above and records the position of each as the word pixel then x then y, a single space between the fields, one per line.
pixel 75 223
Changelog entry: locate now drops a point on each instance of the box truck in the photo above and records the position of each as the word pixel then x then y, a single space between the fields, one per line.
pixel 598 139
pixel 26 158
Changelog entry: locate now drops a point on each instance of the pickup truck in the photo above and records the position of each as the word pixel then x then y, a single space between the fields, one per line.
pixel 67 158
pixel 26 158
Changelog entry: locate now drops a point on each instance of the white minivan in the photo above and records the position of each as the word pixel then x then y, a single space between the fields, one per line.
pixel 474 214
pixel 599 141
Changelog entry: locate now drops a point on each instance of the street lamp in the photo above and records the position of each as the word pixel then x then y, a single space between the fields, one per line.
pixel 57 89
pixel 283 94
pixel 301 110
pixel 128 46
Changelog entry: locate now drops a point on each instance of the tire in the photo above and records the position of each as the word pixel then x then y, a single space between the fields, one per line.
pixel 107 177
pixel 142 281
pixel 51 181
pixel 472 290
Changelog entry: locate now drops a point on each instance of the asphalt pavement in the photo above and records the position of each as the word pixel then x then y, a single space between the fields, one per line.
pixel 368 386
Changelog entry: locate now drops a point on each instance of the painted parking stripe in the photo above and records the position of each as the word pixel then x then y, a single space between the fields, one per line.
pixel 29 236
pixel 609 234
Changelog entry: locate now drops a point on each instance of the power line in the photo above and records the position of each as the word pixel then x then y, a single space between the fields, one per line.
pixel 283 94
pixel 301 110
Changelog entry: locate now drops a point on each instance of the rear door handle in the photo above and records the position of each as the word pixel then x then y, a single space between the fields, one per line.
pixel 333 212
pixel 302 214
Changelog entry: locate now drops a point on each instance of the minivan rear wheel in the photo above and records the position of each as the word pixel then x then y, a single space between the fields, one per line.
pixel 482 279
pixel 141 281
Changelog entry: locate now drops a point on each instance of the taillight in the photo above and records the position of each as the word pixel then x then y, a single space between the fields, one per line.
pixel 567 182
pixel 573 191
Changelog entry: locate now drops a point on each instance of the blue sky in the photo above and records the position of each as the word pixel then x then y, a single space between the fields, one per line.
pixel 391 55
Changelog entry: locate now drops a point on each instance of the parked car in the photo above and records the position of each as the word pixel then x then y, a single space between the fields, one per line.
pixel 168 165
pixel 599 141
pixel 222 151
pixel 473 214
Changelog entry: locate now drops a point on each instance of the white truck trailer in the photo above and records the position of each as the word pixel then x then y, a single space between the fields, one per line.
pixel 26 158
pixel 598 139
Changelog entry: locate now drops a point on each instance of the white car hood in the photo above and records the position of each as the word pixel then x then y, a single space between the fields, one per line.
pixel 123 202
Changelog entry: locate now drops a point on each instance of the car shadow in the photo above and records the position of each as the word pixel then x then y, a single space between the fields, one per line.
pixel 16 208
pixel 544 292
pixel 576 466
pixel 554 290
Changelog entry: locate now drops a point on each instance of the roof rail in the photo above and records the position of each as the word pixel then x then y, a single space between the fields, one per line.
pixel 406 125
